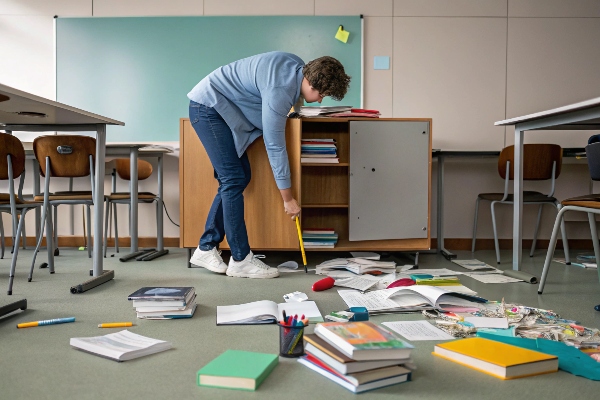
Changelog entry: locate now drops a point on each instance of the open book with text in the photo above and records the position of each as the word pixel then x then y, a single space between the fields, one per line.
pixel 265 312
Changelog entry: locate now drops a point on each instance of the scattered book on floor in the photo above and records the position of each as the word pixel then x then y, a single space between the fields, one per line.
pixel 120 346
pixel 187 312
pixel 498 359
pixel 340 362
pixel 361 381
pixel 355 265
pixel 413 298
pixel 265 312
pixel 150 296
pixel 237 369
pixel 363 340
pixel 164 302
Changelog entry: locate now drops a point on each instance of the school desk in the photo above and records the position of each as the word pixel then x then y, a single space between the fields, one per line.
pixel 24 111
pixel 584 115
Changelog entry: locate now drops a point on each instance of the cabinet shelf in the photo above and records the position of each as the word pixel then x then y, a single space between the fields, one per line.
pixel 342 164
pixel 325 205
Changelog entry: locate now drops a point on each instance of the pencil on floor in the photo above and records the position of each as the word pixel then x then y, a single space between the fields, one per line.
pixel 301 243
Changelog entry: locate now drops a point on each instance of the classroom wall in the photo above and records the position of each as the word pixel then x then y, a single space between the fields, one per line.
pixel 464 63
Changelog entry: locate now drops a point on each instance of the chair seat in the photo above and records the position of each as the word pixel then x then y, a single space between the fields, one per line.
pixel 65 196
pixel 587 200
pixel 127 195
pixel 528 197
pixel 5 199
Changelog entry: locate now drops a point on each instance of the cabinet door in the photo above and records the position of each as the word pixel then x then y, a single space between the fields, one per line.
pixel 389 180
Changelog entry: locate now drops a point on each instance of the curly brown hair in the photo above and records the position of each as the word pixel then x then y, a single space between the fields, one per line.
pixel 327 75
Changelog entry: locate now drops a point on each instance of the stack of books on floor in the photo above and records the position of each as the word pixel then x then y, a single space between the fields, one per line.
pixel 319 151
pixel 164 302
pixel 319 238
pixel 320 111
pixel 359 356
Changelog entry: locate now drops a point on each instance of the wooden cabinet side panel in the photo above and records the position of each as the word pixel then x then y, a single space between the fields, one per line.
pixel 266 222
pixel 198 186
pixel 268 226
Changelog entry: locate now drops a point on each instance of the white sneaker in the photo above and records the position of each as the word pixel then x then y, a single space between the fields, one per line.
pixel 210 259
pixel 251 267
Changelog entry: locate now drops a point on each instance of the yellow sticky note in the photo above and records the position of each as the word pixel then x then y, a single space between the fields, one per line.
pixel 342 35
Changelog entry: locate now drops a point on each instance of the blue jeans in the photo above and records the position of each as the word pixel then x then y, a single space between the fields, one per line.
pixel 226 215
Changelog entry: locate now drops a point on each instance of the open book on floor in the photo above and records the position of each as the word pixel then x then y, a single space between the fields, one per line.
pixel 120 346
pixel 265 312
pixel 411 298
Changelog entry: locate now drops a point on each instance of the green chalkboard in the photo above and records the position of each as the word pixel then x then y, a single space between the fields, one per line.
pixel 139 70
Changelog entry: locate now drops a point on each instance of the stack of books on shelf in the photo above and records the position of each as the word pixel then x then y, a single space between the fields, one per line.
pixel 164 302
pixel 319 151
pixel 319 238
pixel 359 356
pixel 320 111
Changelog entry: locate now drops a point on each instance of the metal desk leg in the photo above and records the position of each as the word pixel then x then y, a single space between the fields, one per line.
pixel 135 252
pixel 99 276
pixel 159 218
pixel 440 210
pixel 518 200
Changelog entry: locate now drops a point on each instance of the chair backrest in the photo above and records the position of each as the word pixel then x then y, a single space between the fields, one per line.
pixel 124 172
pixel 10 144
pixel 73 160
pixel 538 160
pixel 592 152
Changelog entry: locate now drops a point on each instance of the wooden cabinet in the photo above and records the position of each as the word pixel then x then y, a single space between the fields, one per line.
pixel 394 200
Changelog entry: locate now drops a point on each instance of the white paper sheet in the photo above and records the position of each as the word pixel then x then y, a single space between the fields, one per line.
pixel 360 282
pixel 473 264
pixel 434 272
pixel 486 322
pixel 418 330
pixel 493 278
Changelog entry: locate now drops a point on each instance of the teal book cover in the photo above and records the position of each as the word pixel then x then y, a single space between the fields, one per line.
pixel 237 369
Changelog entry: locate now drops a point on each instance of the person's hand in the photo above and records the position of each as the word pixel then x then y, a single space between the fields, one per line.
pixel 292 208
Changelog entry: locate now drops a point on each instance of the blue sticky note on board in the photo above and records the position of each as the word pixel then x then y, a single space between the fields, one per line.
pixel 381 62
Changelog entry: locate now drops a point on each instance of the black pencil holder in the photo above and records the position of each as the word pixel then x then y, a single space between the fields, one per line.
pixel 291 341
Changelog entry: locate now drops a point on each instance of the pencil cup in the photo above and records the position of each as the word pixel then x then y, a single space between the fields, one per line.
pixel 291 341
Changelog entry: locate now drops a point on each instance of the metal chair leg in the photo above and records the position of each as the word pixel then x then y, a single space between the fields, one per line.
pixel 55 240
pixel 475 226
pixel 13 264
pixel 39 242
pixel 551 248
pixel 1 238
pixel 24 234
pixel 496 243
pixel 89 231
pixel 563 230
pixel 535 233
pixel 594 231
pixel 116 228
pixel 106 219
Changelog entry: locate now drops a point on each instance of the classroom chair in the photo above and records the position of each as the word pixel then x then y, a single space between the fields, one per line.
pixel 540 162
pixel 12 166
pixel 63 156
pixel 589 204
pixel 123 170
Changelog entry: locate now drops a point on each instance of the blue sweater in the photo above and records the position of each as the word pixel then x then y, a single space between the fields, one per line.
pixel 254 96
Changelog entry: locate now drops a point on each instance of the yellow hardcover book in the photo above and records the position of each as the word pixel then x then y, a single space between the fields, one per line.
pixel 498 359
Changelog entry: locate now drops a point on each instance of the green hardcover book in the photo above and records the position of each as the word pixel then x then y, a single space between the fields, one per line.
pixel 237 369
